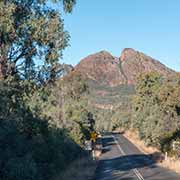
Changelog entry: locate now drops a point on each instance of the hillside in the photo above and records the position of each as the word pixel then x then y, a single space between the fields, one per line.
pixel 112 79
pixel 104 68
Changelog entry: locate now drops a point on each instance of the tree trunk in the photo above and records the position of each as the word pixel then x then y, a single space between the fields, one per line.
pixel 3 67
pixel 3 57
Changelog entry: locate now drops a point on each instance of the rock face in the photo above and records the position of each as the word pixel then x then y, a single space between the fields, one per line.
pixel 134 63
pixel 106 69
pixel 101 67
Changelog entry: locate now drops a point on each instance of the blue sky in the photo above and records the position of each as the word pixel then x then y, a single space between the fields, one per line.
pixel 149 26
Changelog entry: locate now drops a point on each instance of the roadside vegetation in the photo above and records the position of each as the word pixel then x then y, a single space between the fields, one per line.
pixel 43 115
pixel 81 169
pixel 154 111
pixel 114 104
pixel 41 135
pixel 45 112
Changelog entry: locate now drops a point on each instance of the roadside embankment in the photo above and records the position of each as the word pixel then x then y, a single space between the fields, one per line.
pixel 159 157
pixel 81 169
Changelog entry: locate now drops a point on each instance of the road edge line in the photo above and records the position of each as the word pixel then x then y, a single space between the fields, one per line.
pixel 136 172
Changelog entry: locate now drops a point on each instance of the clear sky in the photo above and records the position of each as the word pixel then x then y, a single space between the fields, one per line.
pixel 149 26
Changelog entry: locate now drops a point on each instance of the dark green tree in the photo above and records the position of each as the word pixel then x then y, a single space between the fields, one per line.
pixel 32 37
pixel 156 108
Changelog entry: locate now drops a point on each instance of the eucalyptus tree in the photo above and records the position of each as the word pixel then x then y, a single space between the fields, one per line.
pixel 32 37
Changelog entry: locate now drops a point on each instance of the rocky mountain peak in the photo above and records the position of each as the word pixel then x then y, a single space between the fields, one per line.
pixel 105 53
pixel 104 68
pixel 127 53
pixel 102 55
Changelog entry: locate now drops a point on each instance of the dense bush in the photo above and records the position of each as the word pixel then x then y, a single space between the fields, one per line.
pixel 39 116
pixel 32 147
pixel 65 105
pixel 156 109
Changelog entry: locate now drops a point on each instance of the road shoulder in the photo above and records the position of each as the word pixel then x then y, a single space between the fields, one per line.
pixel 170 163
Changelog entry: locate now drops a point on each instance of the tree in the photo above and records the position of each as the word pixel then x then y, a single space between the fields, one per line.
pixel 156 108
pixel 32 37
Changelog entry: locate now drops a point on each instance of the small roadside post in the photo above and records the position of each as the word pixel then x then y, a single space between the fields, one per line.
pixel 166 156
pixel 88 146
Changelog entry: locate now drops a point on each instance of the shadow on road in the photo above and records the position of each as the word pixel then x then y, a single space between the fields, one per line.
pixel 120 167
pixel 115 165
pixel 128 162
pixel 125 162
pixel 107 143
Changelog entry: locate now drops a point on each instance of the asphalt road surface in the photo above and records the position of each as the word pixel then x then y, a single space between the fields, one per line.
pixel 121 160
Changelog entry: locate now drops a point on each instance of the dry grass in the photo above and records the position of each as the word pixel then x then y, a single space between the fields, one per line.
pixel 81 169
pixel 170 163
pixel 134 138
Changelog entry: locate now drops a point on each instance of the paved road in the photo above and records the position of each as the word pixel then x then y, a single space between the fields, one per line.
pixel 121 160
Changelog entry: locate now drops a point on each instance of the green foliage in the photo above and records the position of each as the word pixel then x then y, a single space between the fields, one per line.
pixel 167 140
pixel 65 104
pixel 31 34
pixel 121 119
pixel 42 124
pixel 103 119
pixel 31 148
pixel 110 105
pixel 156 109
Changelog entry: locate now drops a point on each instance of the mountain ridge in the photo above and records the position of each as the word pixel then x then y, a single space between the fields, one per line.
pixel 107 69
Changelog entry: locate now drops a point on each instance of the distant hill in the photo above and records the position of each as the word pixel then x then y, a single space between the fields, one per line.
pixel 111 79
pixel 104 68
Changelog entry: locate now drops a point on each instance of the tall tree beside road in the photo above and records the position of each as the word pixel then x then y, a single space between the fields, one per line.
pixel 157 109
pixel 38 138
pixel 32 37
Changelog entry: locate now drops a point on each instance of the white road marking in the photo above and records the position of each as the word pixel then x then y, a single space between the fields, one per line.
pixel 108 170
pixel 136 172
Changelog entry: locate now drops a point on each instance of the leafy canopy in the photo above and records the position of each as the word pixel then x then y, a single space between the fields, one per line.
pixel 32 37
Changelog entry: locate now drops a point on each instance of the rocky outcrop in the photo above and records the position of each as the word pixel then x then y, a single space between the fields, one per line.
pixel 101 67
pixel 134 63
pixel 104 68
